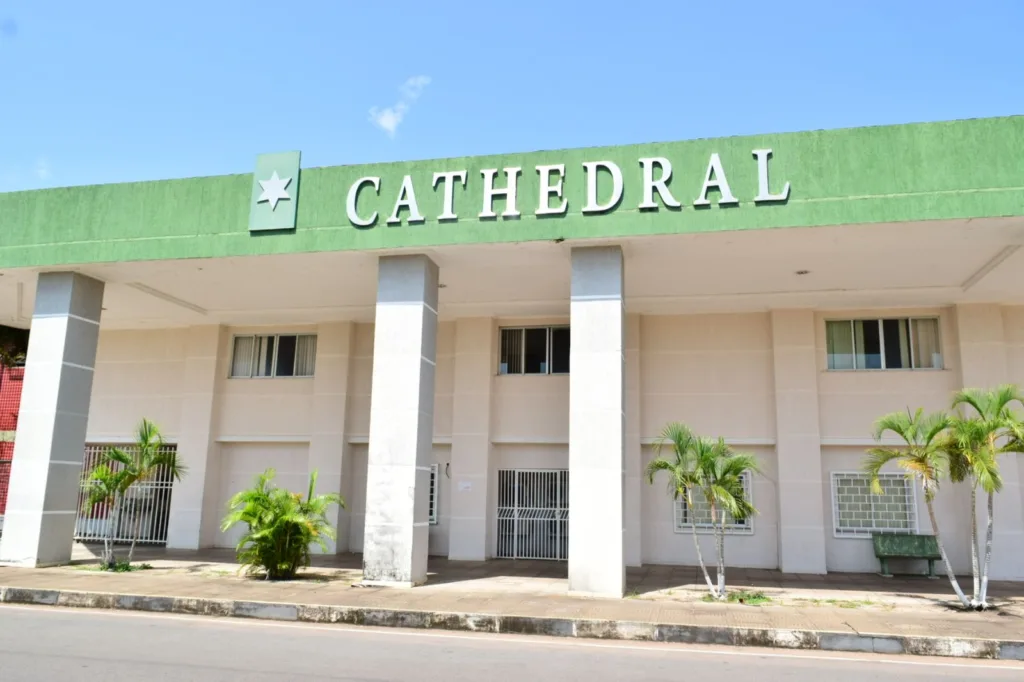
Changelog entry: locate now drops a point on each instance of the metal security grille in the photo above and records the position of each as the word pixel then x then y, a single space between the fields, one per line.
pixel 533 514
pixel 859 512
pixel 5 478
pixel 147 504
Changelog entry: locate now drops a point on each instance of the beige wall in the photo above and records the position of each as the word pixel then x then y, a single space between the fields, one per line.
pixel 138 374
pixel 662 544
pixel 851 401
pixel 714 372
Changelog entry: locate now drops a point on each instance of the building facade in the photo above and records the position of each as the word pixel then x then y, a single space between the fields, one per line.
pixel 480 353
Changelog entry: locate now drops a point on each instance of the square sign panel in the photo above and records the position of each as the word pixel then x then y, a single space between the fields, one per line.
pixel 275 192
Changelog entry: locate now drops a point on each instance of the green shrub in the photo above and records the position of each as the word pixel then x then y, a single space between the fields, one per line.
pixel 280 526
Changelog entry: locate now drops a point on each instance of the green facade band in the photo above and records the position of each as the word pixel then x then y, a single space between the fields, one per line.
pixel 931 171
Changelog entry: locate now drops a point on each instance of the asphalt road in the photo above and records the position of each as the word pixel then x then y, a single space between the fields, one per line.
pixel 42 644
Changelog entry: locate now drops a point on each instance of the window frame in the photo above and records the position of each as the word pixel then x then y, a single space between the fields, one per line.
pixel 746 527
pixel 549 329
pixel 433 489
pixel 881 341
pixel 865 533
pixel 277 347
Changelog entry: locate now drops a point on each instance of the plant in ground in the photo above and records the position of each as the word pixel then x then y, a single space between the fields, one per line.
pixel 707 467
pixel 978 436
pixel 114 482
pixel 281 526
pixel 923 458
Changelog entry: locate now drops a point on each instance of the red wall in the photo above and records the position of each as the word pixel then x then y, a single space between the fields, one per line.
pixel 11 379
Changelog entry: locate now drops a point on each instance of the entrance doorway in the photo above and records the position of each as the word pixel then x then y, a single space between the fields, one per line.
pixel 533 514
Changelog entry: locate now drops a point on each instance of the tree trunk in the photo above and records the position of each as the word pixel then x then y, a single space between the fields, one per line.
pixel 721 558
pixel 719 547
pixel 945 559
pixel 136 522
pixel 975 569
pixel 700 557
pixel 109 558
pixel 982 599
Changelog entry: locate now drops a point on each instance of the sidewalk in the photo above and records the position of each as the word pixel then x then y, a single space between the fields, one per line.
pixel 838 612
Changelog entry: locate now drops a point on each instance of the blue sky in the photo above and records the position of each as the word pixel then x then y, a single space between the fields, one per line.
pixel 112 90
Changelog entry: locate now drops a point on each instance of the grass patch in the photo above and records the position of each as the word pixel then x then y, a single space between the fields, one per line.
pixel 741 597
pixel 840 603
pixel 119 567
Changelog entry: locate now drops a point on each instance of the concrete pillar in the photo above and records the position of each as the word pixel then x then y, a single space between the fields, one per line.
pixel 195 515
pixel 401 422
pixel 984 365
pixel 634 459
pixel 39 525
pixel 327 447
pixel 597 423
pixel 798 443
pixel 471 439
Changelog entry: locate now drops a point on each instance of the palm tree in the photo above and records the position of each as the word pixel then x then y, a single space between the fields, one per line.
pixel 922 457
pixel 976 441
pixel 280 526
pixel 710 468
pixel 112 480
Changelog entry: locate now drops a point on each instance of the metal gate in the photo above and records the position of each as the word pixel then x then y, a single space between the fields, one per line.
pixel 147 504
pixel 533 514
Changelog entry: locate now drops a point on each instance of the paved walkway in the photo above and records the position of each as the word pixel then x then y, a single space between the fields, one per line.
pixel 850 603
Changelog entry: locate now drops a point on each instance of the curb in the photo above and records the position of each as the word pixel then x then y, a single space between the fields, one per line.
pixel 526 625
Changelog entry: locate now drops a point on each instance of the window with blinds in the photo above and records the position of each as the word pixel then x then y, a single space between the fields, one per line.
pixel 901 343
pixel 273 355
pixel 534 350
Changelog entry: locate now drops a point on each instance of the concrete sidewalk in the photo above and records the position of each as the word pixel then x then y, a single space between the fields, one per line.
pixel 510 597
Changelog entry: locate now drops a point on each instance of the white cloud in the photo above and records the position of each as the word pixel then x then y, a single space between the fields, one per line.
pixel 42 168
pixel 389 118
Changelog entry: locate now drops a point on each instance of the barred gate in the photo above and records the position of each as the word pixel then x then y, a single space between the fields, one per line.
pixel 533 514
pixel 148 504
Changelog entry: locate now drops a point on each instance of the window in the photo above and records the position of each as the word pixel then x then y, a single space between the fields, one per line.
pixel 903 343
pixel 432 492
pixel 284 355
pixel 858 512
pixel 534 350
pixel 700 514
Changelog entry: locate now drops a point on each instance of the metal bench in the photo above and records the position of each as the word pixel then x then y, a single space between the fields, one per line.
pixel 899 546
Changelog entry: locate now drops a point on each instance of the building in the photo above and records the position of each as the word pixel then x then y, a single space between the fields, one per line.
pixel 405 330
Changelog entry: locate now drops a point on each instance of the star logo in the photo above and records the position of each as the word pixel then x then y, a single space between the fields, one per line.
pixel 274 190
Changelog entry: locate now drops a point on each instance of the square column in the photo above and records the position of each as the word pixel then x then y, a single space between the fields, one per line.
pixel 597 423
pixel 49 445
pixel 798 443
pixel 195 516
pixel 475 364
pixel 327 454
pixel 984 365
pixel 634 459
pixel 401 422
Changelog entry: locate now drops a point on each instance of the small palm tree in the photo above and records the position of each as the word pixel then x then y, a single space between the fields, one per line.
pixel 280 526
pixel 922 458
pixel 976 441
pixel 709 467
pixel 112 480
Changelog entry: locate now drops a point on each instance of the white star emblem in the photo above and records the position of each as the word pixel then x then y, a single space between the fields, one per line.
pixel 274 190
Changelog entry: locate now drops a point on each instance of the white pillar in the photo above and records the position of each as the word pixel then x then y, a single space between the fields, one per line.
pixel 634 459
pixel 195 517
pixel 983 365
pixel 471 439
pixel 42 502
pixel 597 423
pixel 401 422
pixel 327 440
pixel 798 443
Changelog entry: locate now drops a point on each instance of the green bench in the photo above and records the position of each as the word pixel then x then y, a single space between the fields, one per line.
pixel 900 546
